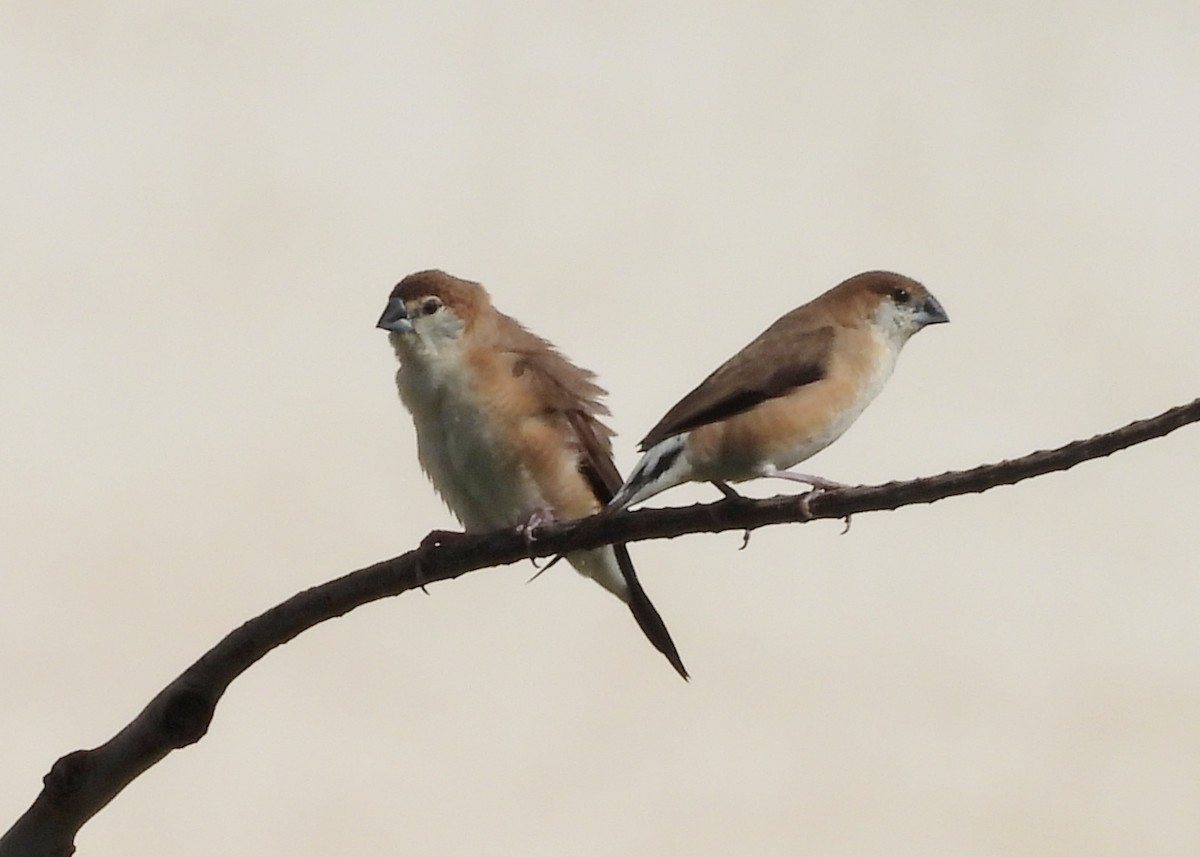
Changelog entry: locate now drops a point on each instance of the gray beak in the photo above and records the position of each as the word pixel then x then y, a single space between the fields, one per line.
pixel 395 317
pixel 932 312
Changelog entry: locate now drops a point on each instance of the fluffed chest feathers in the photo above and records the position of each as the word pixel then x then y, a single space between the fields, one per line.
pixel 464 451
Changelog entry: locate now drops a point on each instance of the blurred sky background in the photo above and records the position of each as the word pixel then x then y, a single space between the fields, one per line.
pixel 204 207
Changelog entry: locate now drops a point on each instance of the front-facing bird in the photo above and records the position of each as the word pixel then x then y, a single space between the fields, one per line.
pixel 789 393
pixel 508 429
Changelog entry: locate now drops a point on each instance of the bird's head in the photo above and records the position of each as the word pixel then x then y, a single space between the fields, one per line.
pixel 894 304
pixel 431 310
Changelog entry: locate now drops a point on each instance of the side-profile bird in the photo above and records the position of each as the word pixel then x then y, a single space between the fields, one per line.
pixel 508 429
pixel 788 394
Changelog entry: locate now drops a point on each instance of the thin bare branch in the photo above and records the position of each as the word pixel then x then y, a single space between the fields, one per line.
pixel 81 783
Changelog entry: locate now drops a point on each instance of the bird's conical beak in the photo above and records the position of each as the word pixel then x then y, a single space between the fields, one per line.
pixel 932 312
pixel 395 317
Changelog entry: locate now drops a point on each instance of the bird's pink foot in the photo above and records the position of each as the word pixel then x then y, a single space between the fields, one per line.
pixel 727 489
pixel 528 528
pixel 807 497
pixel 818 483
pixel 730 494
pixel 823 484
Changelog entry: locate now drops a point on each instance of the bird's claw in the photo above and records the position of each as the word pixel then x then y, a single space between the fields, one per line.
pixel 527 529
pixel 727 489
pixel 805 501
pixel 806 512
pixel 544 568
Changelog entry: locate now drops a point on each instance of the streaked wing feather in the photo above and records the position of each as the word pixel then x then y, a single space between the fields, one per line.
pixel 596 462
pixel 571 394
pixel 772 365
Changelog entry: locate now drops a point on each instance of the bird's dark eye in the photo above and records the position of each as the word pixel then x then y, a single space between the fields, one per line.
pixel 901 296
pixel 430 305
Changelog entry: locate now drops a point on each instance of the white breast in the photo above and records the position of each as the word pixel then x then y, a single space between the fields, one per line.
pixel 884 364
pixel 477 474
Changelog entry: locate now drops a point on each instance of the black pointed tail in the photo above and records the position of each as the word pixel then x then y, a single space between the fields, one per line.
pixel 644 612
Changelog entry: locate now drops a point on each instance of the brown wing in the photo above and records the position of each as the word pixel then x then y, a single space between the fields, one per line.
pixel 777 362
pixel 571 394
pixel 596 462
pixel 593 438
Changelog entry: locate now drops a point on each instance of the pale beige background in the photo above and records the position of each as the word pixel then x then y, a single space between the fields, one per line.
pixel 204 206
